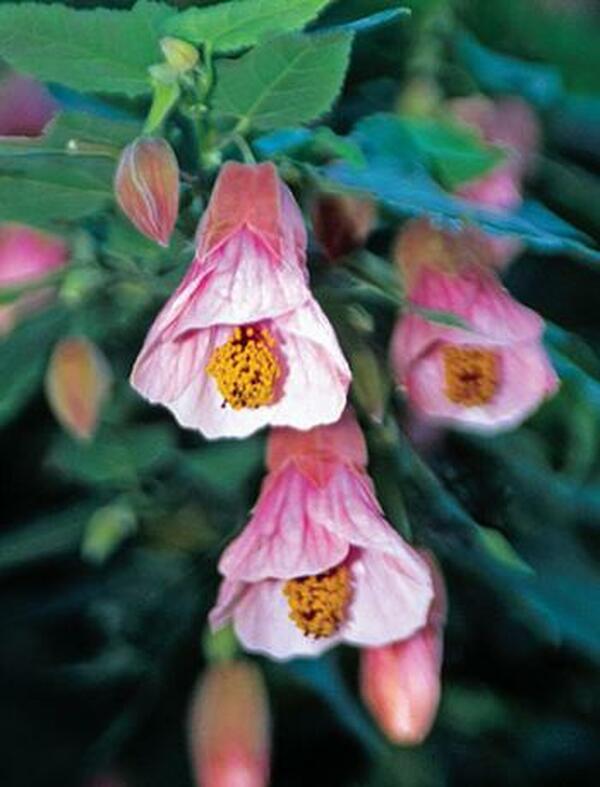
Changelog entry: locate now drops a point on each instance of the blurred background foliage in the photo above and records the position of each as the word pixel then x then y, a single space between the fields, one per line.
pixel 108 549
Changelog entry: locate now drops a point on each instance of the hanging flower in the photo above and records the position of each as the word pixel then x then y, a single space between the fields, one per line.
pixel 242 343
pixel 318 564
pixel 488 376
pixel 229 727
pixel 400 683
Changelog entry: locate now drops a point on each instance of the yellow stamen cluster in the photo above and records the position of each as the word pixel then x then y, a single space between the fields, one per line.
pixel 245 368
pixel 471 375
pixel 318 603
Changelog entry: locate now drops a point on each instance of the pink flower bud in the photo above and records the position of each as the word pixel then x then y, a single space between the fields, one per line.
pixel 77 383
pixel 147 187
pixel 400 683
pixel 26 107
pixel 229 727
pixel 26 257
pixel 342 223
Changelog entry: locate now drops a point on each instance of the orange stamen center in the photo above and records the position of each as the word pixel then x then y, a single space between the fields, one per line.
pixel 318 603
pixel 246 368
pixel 471 373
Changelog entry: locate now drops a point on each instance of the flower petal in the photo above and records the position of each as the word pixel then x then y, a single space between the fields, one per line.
pixel 282 540
pixel 230 593
pixel 262 624
pixel 392 596
pixel 527 377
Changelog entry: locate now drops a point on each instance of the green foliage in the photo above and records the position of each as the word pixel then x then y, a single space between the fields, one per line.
pixel 292 79
pixel 234 25
pixel 101 50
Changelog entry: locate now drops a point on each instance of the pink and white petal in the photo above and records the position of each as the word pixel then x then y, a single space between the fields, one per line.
pixel 230 593
pixel 165 369
pixel 391 598
pixel 243 282
pixel 318 376
pixel 281 541
pixel 348 508
pixel 478 298
pixel 262 624
pixel 527 378
pixel 412 337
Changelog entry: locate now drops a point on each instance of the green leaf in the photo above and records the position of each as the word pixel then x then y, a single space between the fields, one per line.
pixel 456 155
pixel 221 466
pixel 440 317
pixel 100 50
pixel 241 23
pixel 114 459
pixel 23 356
pixel 291 79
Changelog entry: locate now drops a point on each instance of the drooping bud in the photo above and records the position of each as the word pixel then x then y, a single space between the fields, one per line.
pixel 147 187
pixel 400 683
pixel 77 383
pixel 180 55
pixel 229 728
pixel 342 223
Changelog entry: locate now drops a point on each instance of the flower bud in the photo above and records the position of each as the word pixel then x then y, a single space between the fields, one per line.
pixel 342 223
pixel 229 734
pixel 147 187
pixel 400 683
pixel 26 107
pixel 180 55
pixel 77 383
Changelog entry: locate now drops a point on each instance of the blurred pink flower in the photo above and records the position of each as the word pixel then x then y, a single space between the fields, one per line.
pixel 26 107
pixel 342 222
pixel 229 727
pixel 27 257
pixel 242 343
pixel 486 378
pixel 147 187
pixel 318 564
pixel 511 124
pixel 400 683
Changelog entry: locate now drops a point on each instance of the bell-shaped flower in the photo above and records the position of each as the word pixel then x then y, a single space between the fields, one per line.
pixel 400 683
pixel 318 564
pixel 242 343
pixel 487 376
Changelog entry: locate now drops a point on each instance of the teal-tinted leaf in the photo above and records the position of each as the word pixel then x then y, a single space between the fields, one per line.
pixel 116 459
pixel 292 79
pixel 397 176
pixel 23 357
pixel 100 50
pixel 440 317
pixel 498 73
pixel 242 23
pixel 315 145
pixel 371 22
pixel 455 154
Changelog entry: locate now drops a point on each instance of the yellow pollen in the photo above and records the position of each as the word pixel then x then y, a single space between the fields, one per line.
pixel 318 603
pixel 245 368
pixel 471 375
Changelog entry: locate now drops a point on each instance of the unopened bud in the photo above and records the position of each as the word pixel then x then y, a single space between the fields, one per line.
pixel 180 55
pixel 147 187
pixel 229 727
pixel 77 383
pixel 400 682
pixel 342 223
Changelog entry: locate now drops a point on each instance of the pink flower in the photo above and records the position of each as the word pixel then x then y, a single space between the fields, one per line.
pixel 486 378
pixel 342 222
pixel 26 107
pixel 400 683
pixel 27 257
pixel 229 727
pixel 318 564
pixel 242 343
